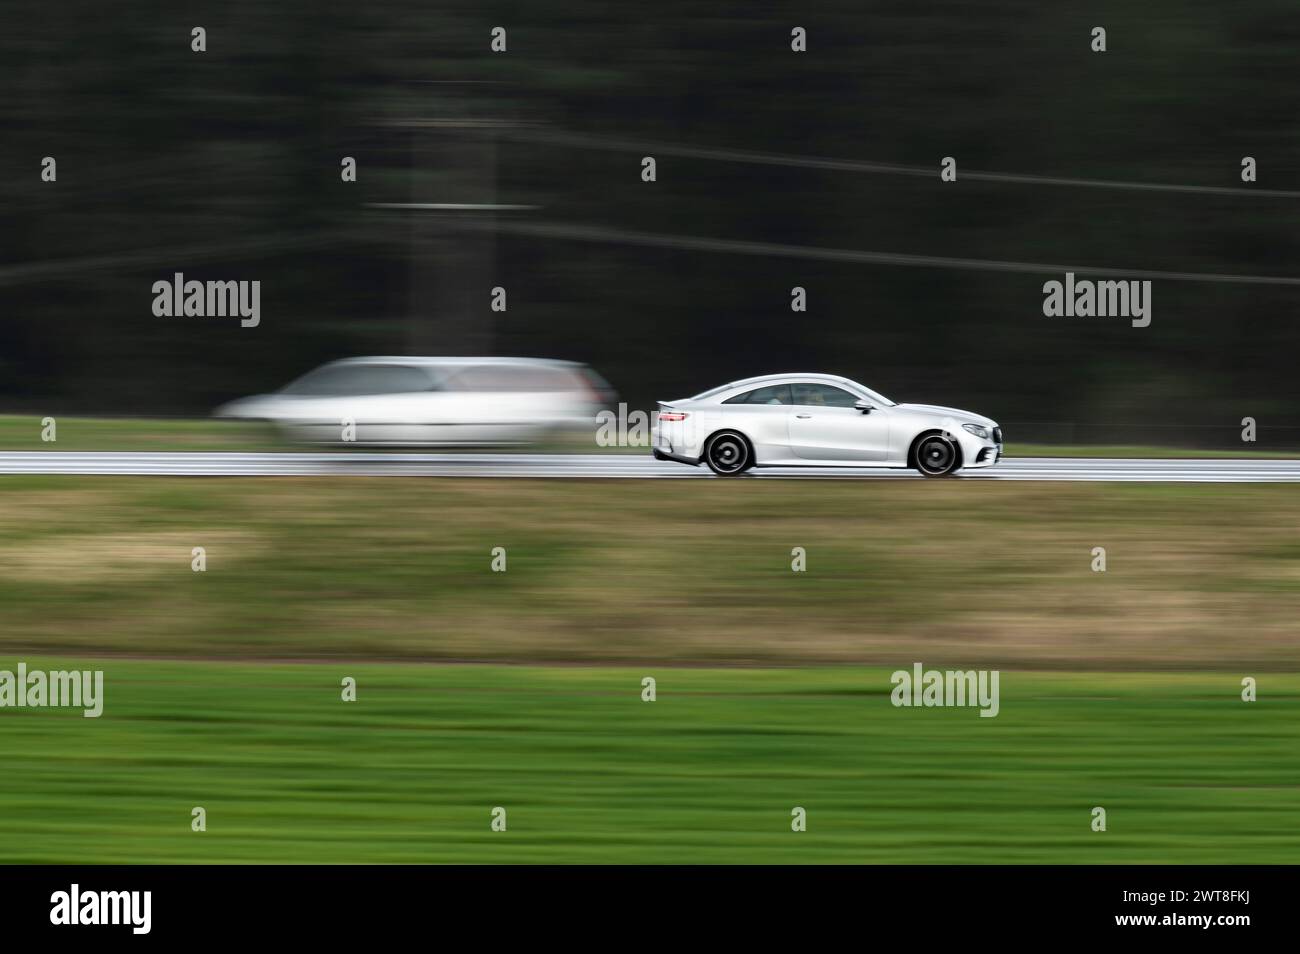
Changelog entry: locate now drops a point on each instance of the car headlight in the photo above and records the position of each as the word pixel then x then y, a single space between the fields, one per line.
pixel 979 430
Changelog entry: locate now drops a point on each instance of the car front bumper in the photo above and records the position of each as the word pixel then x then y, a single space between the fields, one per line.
pixel 981 451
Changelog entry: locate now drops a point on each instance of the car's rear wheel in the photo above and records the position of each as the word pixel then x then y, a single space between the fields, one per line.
pixel 727 454
pixel 936 455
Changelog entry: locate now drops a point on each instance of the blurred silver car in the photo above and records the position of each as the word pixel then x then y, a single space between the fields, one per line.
pixel 430 401
pixel 819 420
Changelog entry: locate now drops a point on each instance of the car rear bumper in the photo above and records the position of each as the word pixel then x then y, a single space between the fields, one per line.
pixel 677 440
pixel 661 454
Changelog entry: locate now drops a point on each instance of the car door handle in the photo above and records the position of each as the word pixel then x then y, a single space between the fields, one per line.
pixel 803 417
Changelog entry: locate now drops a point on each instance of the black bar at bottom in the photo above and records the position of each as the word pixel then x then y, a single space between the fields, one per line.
pixel 333 905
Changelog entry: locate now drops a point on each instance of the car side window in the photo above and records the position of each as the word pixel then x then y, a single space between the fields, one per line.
pixel 510 377
pixel 387 379
pixel 823 395
pixel 360 379
pixel 772 394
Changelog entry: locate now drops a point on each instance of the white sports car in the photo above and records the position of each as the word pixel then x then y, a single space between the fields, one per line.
pixel 819 420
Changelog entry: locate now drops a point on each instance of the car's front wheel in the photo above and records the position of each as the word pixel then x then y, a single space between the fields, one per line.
pixel 936 455
pixel 727 454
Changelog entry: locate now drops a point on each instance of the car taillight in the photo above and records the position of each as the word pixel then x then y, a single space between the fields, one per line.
pixel 673 415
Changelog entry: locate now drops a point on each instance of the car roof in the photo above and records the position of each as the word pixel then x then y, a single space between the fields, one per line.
pixel 785 378
pixel 792 376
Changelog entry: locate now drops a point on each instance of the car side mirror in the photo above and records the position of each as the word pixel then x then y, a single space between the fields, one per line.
pixel 864 407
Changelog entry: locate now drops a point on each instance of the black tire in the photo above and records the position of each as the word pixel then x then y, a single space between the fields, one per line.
pixel 728 454
pixel 936 455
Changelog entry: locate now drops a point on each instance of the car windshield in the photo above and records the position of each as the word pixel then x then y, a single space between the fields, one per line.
pixel 874 395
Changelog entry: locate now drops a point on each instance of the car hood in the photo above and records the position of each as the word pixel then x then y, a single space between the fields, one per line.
pixel 957 414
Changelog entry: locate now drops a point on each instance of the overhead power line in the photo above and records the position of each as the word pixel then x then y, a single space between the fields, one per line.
pixel 588 141
pixel 169 256
pixel 596 233
pixel 454 206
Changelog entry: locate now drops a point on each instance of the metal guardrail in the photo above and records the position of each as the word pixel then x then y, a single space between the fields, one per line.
pixel 1226 437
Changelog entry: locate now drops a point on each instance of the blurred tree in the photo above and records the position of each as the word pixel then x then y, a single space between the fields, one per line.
pixel 225 164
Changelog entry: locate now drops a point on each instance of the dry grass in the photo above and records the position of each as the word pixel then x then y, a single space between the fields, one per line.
pixel 1199 576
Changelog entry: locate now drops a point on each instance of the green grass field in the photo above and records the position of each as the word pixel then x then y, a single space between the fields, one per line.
pixel 23 433
pixel 587 772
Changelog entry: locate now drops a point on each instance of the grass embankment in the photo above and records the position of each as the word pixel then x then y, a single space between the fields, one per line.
pixel 1197 575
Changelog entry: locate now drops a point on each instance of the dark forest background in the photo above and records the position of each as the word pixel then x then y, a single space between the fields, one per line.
pixel 225 164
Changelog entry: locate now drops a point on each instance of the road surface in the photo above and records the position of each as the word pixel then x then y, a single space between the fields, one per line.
pixel 388 464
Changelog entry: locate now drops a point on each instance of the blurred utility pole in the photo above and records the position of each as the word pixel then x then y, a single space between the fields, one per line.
pixel 453 174
pixel 451 271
